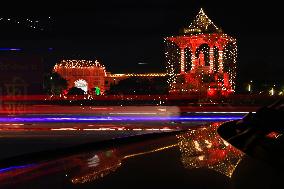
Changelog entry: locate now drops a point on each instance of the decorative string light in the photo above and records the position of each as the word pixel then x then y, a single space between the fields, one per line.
pixel 204 148
pixel 211 58
pixel 36 24
pixel 78 64
pixel 220 61
pixel 204 55
pixel 202 24
pixel 91 72
pixel 138 75
pixel 182 60
pixel 173 62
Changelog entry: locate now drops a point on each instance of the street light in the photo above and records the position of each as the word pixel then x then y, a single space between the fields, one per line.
pixel 250 87
pixel 271 92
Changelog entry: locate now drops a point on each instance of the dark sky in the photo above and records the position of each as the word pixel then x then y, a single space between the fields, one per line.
pixel 123 33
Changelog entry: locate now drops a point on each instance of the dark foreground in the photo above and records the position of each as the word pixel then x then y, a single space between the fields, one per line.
pixel 195 158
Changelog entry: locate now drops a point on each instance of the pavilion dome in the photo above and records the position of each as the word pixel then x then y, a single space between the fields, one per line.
pixel 201 24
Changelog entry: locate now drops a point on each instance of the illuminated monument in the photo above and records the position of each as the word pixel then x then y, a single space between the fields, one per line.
pixel 202 59
pixel 84 74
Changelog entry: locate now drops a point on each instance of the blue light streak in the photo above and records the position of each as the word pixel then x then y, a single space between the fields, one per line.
pixel 16 167
pixel 116 118
pixel 10 49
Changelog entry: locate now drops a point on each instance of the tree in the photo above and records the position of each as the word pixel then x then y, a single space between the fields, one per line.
pixel 160 85
pixel 75 91
pixel 140 85
pixel 54 84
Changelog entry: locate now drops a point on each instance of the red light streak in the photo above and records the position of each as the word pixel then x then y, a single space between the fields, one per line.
pixel 13 127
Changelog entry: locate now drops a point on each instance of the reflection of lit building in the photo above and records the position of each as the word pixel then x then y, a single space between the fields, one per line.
pixel 199 148
pixel 205 148
pixel 202 59
pixel 98 166
pixel 84 74
pixel 106 162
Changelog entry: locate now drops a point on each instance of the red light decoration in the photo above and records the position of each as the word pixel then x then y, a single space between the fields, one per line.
pixel 205 148
pixel 82 71
pixel 202 59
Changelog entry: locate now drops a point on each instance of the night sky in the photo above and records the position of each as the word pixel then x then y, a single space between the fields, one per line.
pixel 122 34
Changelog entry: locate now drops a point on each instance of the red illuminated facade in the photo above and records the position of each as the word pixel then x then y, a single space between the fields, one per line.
pixel 84 74
pixel 202 59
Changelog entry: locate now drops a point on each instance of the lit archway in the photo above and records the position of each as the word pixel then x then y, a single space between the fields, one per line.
pixel 82 84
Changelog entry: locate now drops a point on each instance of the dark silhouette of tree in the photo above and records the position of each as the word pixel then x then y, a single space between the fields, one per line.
pixel 54 83
pixel 140 85
pixel 75 91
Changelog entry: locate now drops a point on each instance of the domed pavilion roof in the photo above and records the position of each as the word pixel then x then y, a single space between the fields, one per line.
pixel 201 24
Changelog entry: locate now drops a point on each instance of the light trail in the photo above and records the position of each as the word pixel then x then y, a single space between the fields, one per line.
pixel 221 112
pixel 115 119
pixel 4 170
pixel 89 129
pixel 133 113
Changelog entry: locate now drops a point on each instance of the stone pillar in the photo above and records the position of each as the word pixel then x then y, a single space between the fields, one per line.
pixel 220 60
pixel 193 58
pixel 211 59
pixel 182 60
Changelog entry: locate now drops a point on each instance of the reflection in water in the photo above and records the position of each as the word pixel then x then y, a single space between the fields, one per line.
pixel 205 148
pixel 200 148
pixel 98 166
pixel 106 163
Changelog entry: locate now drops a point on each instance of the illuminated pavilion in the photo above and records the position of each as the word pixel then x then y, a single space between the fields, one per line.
pixel 202 59
pixel 84 74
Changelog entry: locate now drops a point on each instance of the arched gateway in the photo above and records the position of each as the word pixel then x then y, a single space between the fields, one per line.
pixel 84 74
pixel 81 84
pixel 201 59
